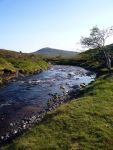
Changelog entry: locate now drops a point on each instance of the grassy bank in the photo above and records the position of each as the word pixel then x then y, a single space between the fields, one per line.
pixel 85 123
pixel 25 64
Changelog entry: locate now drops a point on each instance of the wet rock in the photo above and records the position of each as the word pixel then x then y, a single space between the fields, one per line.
pixel 75 87
pixel 24 126
pixel 33 118
pixel 77 78
pixel 89 73
pixel 2 137
pixel 71 74
pixel 11 124
pixel 82 85
pixel 67 84
pixel 7 136
pixel 62 87
pixel 15 131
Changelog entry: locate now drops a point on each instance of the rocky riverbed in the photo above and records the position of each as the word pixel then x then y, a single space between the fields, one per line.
pixel 26 101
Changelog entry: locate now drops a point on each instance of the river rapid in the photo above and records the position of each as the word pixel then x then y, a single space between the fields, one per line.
pixel 25 101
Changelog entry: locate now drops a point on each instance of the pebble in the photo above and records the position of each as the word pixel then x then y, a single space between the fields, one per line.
pixel 2 137
pixel 24 126
pixel 82 85
pixel 15 131
pixel 77 78
pixel 11 124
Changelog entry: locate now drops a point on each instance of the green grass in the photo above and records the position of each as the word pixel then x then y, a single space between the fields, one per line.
pixel 6 65
pixel 11 61
pixel 26 63
pixel 30 67
pixel 85 123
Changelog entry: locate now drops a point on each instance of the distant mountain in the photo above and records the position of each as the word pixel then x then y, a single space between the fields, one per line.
pixel 51 52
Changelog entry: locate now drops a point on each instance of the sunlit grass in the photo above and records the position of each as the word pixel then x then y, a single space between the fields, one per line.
pixel 11 62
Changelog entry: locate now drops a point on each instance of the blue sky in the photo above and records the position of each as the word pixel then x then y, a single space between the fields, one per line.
pixel 28 25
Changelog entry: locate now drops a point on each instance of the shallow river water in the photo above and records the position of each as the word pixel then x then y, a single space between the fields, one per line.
pixel 25 98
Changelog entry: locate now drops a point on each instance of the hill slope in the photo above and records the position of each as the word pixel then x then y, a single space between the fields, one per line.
pixel 51 52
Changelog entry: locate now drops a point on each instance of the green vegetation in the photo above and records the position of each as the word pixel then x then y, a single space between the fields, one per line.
pixel 6 65
pixel 85 123
pixel 97 39
pixel 30 66
pixel 11 62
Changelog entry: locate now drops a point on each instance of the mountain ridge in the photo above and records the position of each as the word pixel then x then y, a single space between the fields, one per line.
pixel 47 51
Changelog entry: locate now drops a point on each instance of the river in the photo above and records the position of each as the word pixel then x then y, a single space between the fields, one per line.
pixel 23 101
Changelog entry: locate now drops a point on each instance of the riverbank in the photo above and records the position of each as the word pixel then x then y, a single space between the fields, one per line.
pixel 25 102
pixel 14 65
pixel 27 123
pixel 84 123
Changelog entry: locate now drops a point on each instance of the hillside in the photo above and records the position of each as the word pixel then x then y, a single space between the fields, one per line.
pixel 85 123
pixel 51 52
pixel 12 62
